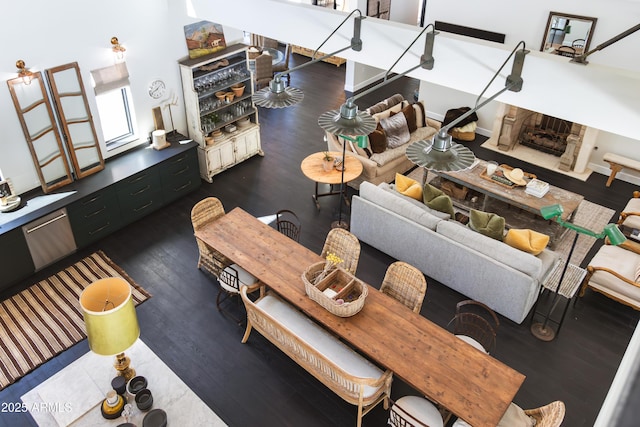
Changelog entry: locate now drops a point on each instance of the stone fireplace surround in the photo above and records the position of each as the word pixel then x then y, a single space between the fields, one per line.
pixel 508 123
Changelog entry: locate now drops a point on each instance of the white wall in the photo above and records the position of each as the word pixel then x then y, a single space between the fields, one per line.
pixel 152 31
pixel 73 31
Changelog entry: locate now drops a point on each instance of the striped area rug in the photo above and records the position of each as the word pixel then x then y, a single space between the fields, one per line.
pixel 45 319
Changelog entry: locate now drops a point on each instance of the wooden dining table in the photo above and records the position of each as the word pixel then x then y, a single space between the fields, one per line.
pixel 470 383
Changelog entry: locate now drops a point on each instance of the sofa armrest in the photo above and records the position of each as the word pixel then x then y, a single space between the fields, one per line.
pixel 434 123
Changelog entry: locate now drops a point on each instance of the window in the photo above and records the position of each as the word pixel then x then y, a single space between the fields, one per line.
pixel 115 111
pixel 115 105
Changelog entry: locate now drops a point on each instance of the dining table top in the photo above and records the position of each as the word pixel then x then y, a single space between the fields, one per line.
pixel 470 383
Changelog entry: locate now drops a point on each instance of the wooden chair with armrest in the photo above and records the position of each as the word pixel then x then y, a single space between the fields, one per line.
pixel 630 215
pixel 614 271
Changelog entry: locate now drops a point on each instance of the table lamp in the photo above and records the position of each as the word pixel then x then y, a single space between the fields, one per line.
pixel 110 320
pixel 541 330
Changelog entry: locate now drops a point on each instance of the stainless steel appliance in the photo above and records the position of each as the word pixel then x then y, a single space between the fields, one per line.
pixel 49 238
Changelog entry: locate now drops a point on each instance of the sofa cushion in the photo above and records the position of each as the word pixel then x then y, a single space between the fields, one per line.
pixel 386 113
pixel 487 223
pixel 396 130
pixel 499 251
pixel 391 188
pixel 389 155
pixel 420 114
pixel 378 141
pixel 526 240
pixel 331 348
pixel 436 199
pixel 387 103
pixel 399 204
pixel 410 115
pixel 408 187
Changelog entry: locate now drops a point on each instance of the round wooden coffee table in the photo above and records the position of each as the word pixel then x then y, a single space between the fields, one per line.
pixel 312 168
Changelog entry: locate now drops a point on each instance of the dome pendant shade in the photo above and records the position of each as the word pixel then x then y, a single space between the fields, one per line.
pixel 276 95
pixel 456 158
pixel 347 121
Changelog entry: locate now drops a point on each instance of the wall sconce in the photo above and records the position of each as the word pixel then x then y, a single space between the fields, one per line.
pixel 23 73
pixel 277 95
pixel 348 120
pixel 582 59
pixel 441 154
pixel 117 49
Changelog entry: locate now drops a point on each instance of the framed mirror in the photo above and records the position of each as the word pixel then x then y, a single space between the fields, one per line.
pixel 76 122
pixel 38 124
pixel 567 35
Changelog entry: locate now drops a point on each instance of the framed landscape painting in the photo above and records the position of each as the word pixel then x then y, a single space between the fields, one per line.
pixel 203 38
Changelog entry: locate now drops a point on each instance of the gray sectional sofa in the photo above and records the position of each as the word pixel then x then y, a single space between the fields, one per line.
pixel 484 269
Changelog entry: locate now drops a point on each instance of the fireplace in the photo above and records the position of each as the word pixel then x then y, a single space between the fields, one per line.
pixel 568 144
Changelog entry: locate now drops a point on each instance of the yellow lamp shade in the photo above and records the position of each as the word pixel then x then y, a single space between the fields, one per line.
pixel 109 316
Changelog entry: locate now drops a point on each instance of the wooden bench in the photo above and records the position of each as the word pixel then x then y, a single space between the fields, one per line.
pixel 354 379
pixel 617 163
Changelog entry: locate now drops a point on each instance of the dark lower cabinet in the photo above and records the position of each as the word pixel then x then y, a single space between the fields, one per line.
pixel 15 258
pixel 179 175
pixel 94 216
pixel 129 199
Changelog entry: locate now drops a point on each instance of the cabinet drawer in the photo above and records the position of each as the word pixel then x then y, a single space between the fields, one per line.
pixel 179 176
pixel 139 195
pixel 94 216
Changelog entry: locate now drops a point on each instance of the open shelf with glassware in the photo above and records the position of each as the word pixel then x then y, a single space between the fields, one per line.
pixel 221 116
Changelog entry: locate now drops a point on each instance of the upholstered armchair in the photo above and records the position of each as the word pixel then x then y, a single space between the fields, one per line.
pixel 615 272
pixel 630 215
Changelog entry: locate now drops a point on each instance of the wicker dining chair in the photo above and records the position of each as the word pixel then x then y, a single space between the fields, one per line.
pixel 345 245
pixel 470 325
pixel 288 223
pixel 203 213
pixel 414 411
pixel 406 284
pixel 229 276
pixel 550 415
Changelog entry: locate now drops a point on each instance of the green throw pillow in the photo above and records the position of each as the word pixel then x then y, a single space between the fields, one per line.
pixel 487 223
pixel 437 200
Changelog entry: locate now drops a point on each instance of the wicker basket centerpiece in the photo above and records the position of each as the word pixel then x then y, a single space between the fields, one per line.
pixel 334 288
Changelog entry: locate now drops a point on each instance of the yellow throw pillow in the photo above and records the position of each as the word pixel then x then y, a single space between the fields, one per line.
pixel 409 187
pixel 526 240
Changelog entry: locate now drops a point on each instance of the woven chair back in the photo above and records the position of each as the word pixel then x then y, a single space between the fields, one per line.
pixel 406 284
pixel 345 245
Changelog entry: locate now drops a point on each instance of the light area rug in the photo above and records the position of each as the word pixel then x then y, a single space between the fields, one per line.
pixel 45 319
pixel 589 215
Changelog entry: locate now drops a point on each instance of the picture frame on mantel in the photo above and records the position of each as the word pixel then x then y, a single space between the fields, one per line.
pixel 567 34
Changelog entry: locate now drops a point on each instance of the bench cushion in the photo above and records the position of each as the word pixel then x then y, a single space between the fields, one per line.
pixel 621 160
pixel 322 341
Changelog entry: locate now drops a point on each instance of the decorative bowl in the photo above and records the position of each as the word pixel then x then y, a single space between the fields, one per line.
pixel 144 399
pixel 136 384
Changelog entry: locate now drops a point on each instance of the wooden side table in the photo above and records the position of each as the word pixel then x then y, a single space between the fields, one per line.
pixel 312 168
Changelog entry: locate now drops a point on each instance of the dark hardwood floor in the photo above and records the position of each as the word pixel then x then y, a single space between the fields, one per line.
pixel 255 384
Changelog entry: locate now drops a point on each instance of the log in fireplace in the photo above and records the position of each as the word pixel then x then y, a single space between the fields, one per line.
pixel 549 135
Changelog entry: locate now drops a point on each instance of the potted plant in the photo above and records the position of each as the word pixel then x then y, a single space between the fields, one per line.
pixel 327 161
